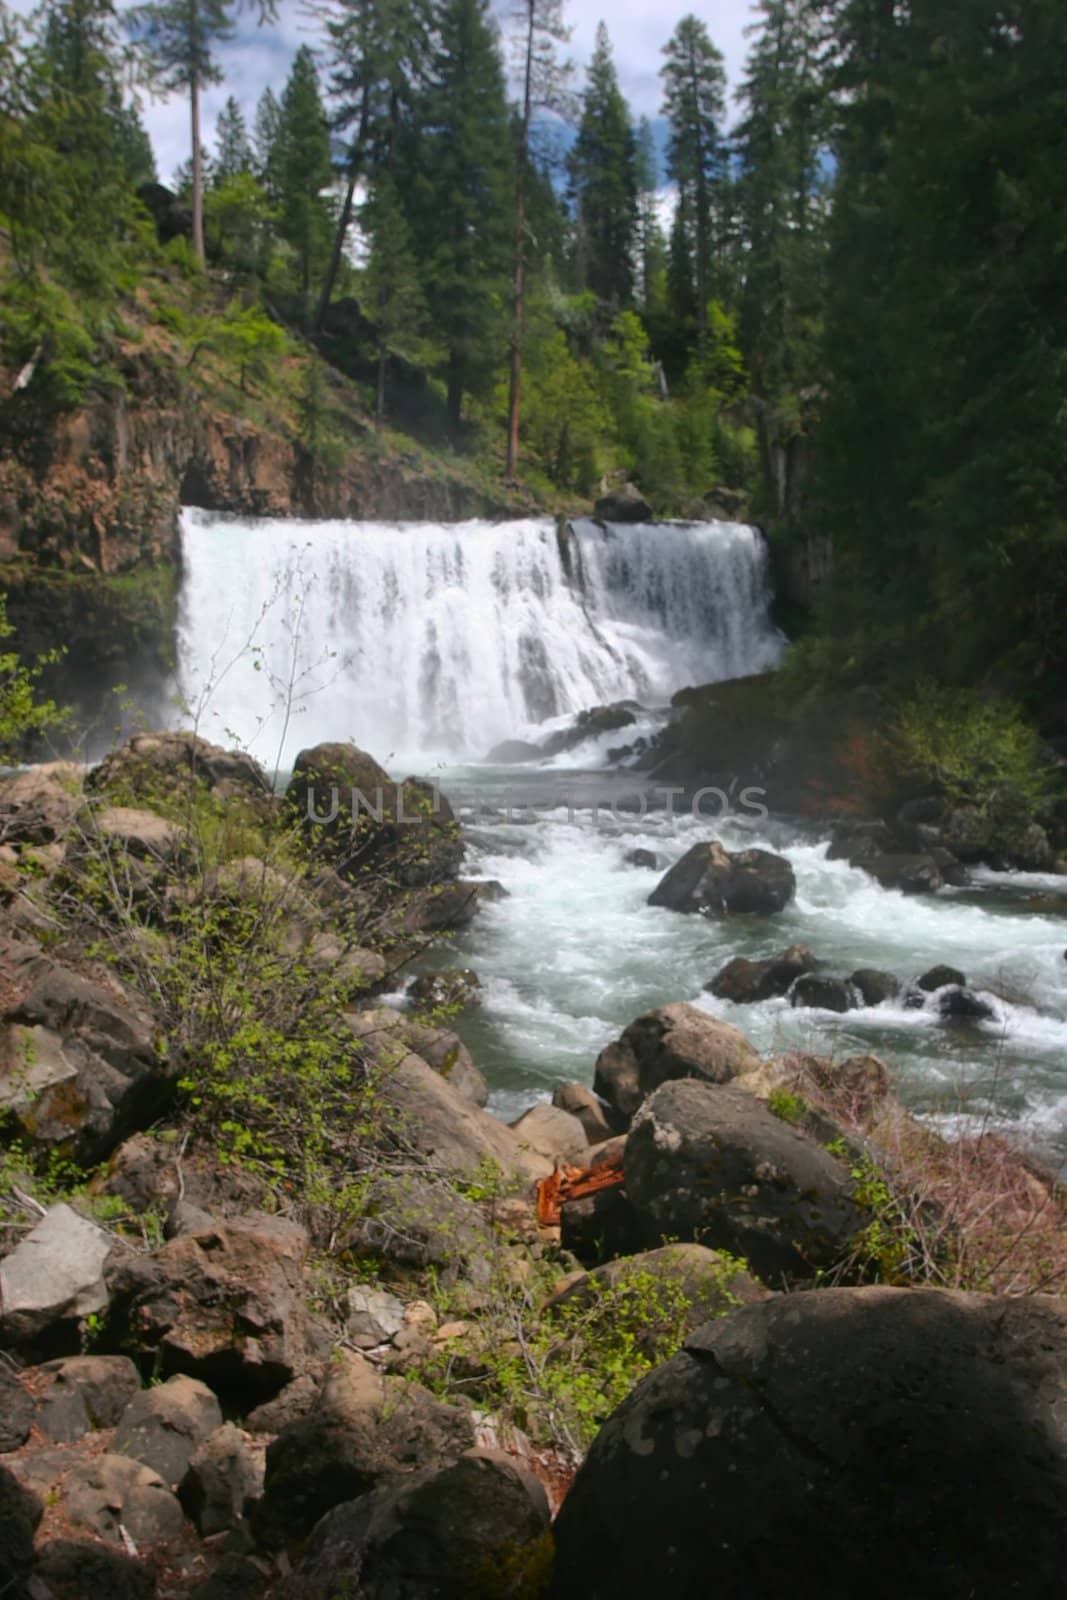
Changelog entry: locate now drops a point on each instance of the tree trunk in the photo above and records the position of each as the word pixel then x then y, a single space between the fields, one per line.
pixel 455 395
pixel 198 176
pixel 355 167
pixel 519 278
pixel 379 404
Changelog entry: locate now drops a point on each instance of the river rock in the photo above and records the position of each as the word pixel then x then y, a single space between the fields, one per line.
pixel 912 874
pixel 514 753
pixel 939 978
pixel 225 1474
pixel 110 1492
pixel 647 859
pixel 20 1512
pixel 53 1279
pixel 39 805
pixel 388 1036
pixel 675 1041
pixel 365 1432
pixel 17 1412
pixel 141 834
pixel 914 1424
pixel 874 986
pixel 625 504
pixel 405 830
pixel 162 1426
pixel 587 1107
pixel 715 883
pixel 455 988
pixel 153 762
pixel 81 1569
pixel 824 994
pixel 434 1120
pixel 436 1537
pixel 227 1306
pixel 712 1164
pixel 552 1133
pixel 746 982
pixel 78 1061
pixel 600 1226
pixel 374 1316
pixel 84 1393
pixel 957 1001
pixel 859 841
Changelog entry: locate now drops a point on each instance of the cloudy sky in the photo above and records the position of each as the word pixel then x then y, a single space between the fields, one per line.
pixel 639 28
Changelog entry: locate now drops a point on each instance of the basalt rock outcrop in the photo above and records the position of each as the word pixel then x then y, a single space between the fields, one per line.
pixel 712 881
pixel 882 1442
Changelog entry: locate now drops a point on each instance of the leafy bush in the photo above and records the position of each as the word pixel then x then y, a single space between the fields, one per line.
pixel 22 714
pixel 972 748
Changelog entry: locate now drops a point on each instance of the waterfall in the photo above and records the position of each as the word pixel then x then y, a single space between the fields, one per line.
pixel 424 640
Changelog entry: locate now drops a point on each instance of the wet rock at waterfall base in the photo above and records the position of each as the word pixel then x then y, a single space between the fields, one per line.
pixel 625 504
pixel 817 993
pixel 875 986
pixel 715 883
pixel 888 1442
pixel 746 982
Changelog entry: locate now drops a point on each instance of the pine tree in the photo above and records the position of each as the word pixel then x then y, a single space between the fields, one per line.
pixel 780 146
pixel 603 176
pixel 457 178
pixel 539 29
pixel 391 293
pixel 377 51
pixel 304 167
pixel 179 38
pixel 694 104
pixel 233 148
pixel 266 136
pixel 651 245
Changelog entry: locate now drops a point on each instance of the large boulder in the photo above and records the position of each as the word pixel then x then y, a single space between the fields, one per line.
pixel 39 805
pixel 20 1512
pixel 675 1041
pixel 624 504
pixel 552 1133
pixel 712 881
pixel 882 1442
pixel 367 824
pixel 434 1121
pixel 365 1431
pixel 151 763
pixel 875 986
pixel 587 1107
pixel 388 1037
pixel 817 993
pixel 79 1067
pixel 163 1425
pixel 226 1305
pixel 109 1495
pixel 746 982
pixel 53 1280
pixel 451 989
pixel 714 1165
pixel 911 874
pixel 465 1530
pixel 224 1477
pixel 17 1412
pixel 83 1393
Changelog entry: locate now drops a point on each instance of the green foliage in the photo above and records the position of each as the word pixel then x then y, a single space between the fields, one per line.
pixel 602 166
pixel 245 337
pixel 787 1106
pixel 975 750
pixel 22 713
pixel 695 107
pixel 302 165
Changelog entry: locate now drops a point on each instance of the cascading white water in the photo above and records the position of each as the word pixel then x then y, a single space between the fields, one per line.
pixel 419 639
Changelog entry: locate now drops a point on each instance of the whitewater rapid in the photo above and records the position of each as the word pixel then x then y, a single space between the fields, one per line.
pixel 575 953
pixel 421 641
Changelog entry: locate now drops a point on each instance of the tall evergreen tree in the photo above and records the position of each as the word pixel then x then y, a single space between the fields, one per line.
pixel 180 38
pixel 651 245
pixel 458 173
pixel 377 52
pixel 781 146
pixel 539 29
pixel 391 292
pixel 233 148
pixel 603 175
pixel 694 104
pixel 266 144
pixel 304 167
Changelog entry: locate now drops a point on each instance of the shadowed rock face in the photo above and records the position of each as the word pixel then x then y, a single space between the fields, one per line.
pixel 713 1165
pixel 882 1442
